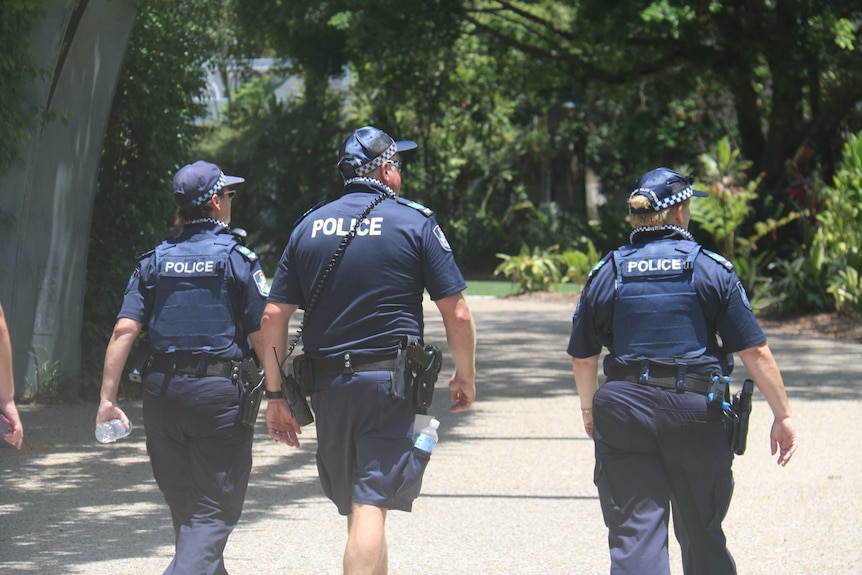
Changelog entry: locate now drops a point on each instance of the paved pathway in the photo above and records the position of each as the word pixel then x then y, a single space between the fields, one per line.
pixel 509 489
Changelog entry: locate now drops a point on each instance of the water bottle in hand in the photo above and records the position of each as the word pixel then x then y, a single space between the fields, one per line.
pixel 427 438
pixel 111 431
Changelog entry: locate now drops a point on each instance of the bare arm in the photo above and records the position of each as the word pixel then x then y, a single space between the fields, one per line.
pixel 274 329
pixel 7 387
pixel 586 371
pixel 461 338
pixel 760 363
pixel 125 333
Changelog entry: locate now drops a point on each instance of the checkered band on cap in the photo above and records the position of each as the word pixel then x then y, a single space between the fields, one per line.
pixel 669 201
pixel 376 162
pixel 220 183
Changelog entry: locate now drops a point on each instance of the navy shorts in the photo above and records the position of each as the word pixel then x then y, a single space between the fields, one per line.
pixel 365 448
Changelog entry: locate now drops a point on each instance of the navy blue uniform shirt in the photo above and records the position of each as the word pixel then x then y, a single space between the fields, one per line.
pixel 720 293
pixel 246 284
pixel 374 296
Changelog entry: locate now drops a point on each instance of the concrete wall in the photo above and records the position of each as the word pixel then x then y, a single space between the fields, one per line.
pixel 43 259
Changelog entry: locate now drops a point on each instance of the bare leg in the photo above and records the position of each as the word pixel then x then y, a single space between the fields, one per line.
pixel 366 552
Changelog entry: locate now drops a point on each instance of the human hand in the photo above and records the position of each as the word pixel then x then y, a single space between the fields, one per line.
pixel 281 423
pixel 13 431
pixel 782 437
pixel 462 392
pixel 587 415
pixel 109 410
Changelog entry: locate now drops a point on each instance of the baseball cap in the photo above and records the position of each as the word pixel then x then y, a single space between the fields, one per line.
pixel 664 188
pixel 366 149
pixel 200 181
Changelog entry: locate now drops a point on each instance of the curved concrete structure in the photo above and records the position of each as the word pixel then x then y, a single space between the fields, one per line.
pixel 43 258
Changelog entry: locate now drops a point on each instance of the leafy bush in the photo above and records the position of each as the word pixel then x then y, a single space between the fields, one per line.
pixel 578 263
pixel 826 274
pixel 535 270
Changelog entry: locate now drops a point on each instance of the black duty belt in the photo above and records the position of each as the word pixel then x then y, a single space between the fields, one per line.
pixel 348 363
pixel 689 382
pixel 198 365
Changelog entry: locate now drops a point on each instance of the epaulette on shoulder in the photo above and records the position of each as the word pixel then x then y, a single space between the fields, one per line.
pixel 427 212
pixel 723 261
pixel 599 265
pixel 146 254
pixel 246 253
pixel 308 211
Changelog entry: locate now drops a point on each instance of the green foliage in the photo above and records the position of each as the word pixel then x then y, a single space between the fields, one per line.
pixel 826 275
pixel 150 132
pixel 846 289
pixel 19 116
pixel 725 211
pixel 841 232
pixel 45 383
pixel 536 270
pixel 578 264
pixel 730 196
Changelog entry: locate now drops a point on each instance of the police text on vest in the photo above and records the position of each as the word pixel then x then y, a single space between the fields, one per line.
pixel 340 227
pixel 659 265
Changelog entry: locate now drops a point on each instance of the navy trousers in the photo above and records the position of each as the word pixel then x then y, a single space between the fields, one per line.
pixel 658 449
pixel 201 459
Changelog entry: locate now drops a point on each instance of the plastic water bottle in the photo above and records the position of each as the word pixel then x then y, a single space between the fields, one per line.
pixel 111 431
pixel 427 438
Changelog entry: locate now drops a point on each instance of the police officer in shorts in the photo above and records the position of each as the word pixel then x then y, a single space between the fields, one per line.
pixel 371 300
pixel 671 314
pixel 200 297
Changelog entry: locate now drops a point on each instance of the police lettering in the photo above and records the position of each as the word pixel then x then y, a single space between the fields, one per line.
pixel 189 268
pixel 341 227
pixel 660 265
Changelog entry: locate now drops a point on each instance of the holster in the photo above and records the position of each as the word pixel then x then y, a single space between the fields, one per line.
pixel 741 408
pixel 251 384
pixel 423 364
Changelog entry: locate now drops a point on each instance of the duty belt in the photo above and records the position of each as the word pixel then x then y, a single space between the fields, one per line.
pixel 684 382
pixel 199 366
pixel 348 363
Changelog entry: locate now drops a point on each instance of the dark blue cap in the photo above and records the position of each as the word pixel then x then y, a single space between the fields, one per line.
pixel 664 188
pixel 200 181
pixel 366 149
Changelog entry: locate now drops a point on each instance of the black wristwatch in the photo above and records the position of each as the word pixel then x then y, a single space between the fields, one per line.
pixel 273 394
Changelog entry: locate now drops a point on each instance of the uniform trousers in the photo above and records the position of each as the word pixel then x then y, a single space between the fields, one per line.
pixel 655 449
pixel 201 460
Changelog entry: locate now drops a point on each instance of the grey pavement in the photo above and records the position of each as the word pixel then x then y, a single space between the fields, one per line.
pixel 508 491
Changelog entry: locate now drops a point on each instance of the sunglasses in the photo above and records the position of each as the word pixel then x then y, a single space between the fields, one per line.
pixel 396 163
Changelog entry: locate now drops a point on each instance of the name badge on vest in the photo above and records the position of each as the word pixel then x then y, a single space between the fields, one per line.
pixel 192 266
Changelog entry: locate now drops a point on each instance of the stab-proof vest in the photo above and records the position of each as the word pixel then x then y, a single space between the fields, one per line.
pixel 192 310
pixel 657 316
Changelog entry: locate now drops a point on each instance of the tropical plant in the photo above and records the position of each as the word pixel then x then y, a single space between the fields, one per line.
pixel 534 270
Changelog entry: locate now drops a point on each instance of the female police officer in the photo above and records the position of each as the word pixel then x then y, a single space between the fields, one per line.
pixel 201 297
pixel 657 305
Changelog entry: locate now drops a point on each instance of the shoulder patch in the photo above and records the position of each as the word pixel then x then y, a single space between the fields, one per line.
pixel 246 253
pixel 441 237
pixel 427 212
pixel 261 283
pixel 308 211
pixel 723 261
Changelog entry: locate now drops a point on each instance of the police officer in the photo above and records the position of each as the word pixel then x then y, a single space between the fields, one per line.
pixel 657 305
pixel 372 299
pixel 200 297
